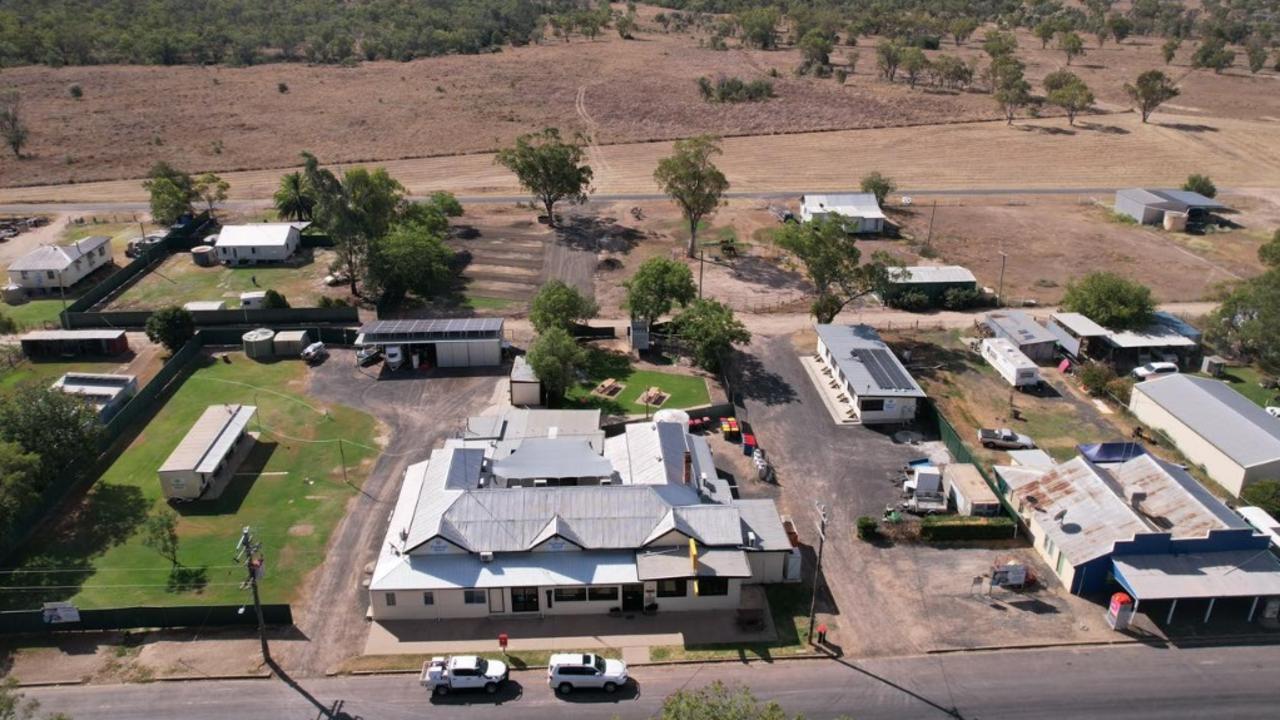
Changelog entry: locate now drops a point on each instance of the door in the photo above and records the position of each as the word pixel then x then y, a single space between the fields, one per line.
pixel 632 598
pixel 497 603
pixel 524 599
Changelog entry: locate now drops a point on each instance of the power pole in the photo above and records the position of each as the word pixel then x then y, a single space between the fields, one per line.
pixel 817 570
pixel 702 261
pixel 1000 292
pixel 251 552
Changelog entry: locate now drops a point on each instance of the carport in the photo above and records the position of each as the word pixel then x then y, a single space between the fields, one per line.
pixel 1208 576
pixel 444 342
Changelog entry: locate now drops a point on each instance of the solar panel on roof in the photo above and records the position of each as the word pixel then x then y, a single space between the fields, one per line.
pixel 884 369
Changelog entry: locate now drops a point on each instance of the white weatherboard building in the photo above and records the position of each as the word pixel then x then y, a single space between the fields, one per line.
pixel 861 211
pixel 48 268
pixel 258 243
pixel 204 461
pixel 1236 441
pixel 536 513
pixel 874 380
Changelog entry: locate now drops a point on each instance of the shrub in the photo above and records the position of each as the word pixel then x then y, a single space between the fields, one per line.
pixel 1095 377
pixel 274 301
pixel 331 302
pixel 868 528
pixel 282 88
pixel 76 91
pixel 1200 184
pixel 962 298
pixel 8 325
pixel 1120 389
pixel 911 301
pixel 942 528
pixel 841 76
pixel 1264 494
pixel 733 89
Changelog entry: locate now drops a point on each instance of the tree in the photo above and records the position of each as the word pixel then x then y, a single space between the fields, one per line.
pixel 708 329
pixel 997 44
pixel 356 211
pixel 1119 27
pixel 815 49
pixel 445 202
pixel 759 27
pixel 560 305
pixel 1247 321
pixel 626 26
pixel 549 167
pixel 659 285
pixel 1263 494
pixel 172 192
pixel 1256 53
pixel 693 182
pixel 962 29
pixel 1152 89
pixel 1198 183
pixel 57 427
pixel 556 359
pixel 1072 45
pixel 273 300
pixel 1069 93
pixel 878 185
pixel 19 482
pixel 833 264
pixel 1045 30
pixel 914 64
pixel 718 701
pixel 172 327
pixel 1170 49
pixel 293 200
pixel 1010 89
pixel 212 190
pixel 1269 252
pixel 888 58
pixel 1110 300
pixel 160 533
pixel 12 127
pixel 1213 54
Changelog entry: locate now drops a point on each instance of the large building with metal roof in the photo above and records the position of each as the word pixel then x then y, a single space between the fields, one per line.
pixel 1235 440
pixel 540 523
pixel 205 459
pixel 873 380
pixel 932 281
pixel 1149 206
pixel 860 212
pixel 440 342
pixel 1140 524
pixel 1030 337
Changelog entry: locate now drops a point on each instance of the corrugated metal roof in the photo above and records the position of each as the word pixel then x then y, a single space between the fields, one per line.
pixel 1036 459
pixel 1262 522
pixel 522 371
pixel 1170 199
pixel 380 331
pixel 96 385
pixel 966 477
pixel 73 335
pixel 1233 573
pixel 1155 335
pixel 1225 419
pixel 255 235
pixel 207 442
pixel 925 274
pixel 552 458
pixel 1170 499
pixel 439 572
pixel 854 205
pixel 1079 325
pixel 854 348
pixel 1018 326
pixel 59 257
pixel 761 517
pixel 674 562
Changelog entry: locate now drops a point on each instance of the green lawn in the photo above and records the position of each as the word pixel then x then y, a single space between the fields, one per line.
pixel 45 373
pixel 1244 380
pixel 290 490
pixel 34 313
pixel 478 302
pixel 686 391
pixel 178 280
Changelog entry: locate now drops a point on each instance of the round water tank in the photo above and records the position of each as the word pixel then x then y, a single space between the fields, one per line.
pixel 672 415
pixel 259 344
pixel 14 294
pixel 1175 221
pixel 204 256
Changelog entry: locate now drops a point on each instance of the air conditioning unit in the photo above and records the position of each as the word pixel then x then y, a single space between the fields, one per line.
pixel 540 482
pixel 752 540
pixel 606 481
pixel 486 557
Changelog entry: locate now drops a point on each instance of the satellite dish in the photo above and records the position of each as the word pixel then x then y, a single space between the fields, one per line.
pixel 1061 515
pixel 906 199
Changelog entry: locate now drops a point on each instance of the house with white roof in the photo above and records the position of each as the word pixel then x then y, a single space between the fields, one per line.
pixel 870 378
pixel 537 522
pixel 258 243
pixel 861 211
pixel 49 269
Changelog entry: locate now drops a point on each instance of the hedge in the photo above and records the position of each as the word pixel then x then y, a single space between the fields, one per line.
pixel 955 527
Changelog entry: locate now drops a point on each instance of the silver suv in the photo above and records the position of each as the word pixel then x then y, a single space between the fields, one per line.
pixel 567 672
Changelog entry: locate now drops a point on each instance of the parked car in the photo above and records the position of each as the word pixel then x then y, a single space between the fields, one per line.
pixel 1273 411
pixel 1153 370
pixel 335 279
pixel 443 675
pixel 567 672
pixel 368 355
pixel 1005 439
pixel 314 352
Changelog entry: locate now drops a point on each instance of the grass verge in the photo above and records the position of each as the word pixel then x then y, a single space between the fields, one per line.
pixel 35 313
pixel 685 391
pixel 789 608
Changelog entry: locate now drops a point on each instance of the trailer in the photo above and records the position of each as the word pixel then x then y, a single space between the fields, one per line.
pixel 1016 368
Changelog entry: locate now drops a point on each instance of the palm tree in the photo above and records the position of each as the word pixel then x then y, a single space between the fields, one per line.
pixel 293 200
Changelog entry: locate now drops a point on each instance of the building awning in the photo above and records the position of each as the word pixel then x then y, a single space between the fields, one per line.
pixel 674 562
pixel 1233 573
pixel 525 569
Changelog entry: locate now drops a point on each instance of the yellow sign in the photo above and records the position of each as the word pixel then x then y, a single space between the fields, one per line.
pixel 693 563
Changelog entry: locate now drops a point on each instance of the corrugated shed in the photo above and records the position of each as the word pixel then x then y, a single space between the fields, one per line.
pixel 1226 419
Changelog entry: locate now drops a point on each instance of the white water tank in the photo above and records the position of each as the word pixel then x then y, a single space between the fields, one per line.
pixel 1175 221
pixel 259 344
pixel 672 415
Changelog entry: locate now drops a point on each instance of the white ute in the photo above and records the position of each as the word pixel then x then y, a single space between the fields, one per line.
pixel 463 672
pixel 567 672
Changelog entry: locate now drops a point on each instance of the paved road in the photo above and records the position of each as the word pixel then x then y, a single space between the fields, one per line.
pixel 1132 681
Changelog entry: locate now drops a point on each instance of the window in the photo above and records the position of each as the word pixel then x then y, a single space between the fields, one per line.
pixel 872 405
pixel 474 597
pixel 49 273
pixel 428 598
pixel 602 593
pixel 1061 559
pixel 102 251
pixel 391 599
pixel 673 588
pixel 571 594
pixel 713 586
pixel 1048 546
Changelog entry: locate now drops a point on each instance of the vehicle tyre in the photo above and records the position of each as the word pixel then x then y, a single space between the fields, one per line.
pixel 610 688
pixel 564 688
pixel 988 445
pixel 491 688
pixel 441 690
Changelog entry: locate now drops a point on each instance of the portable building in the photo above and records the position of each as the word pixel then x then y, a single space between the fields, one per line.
pixel 968 491
pixel 206 458
pixel 461 342
pixel 526 388
pixel 107 393
pixel 258 243
pixel 1030 337
pixel 875 381
pixel 252 300
pixel 204 305
pixel 290 343
pixel 1016 368
pixel 861 211
pixel 65 343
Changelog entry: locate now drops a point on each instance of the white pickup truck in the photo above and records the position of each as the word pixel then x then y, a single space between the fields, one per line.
pixel 1005 439
pixel 463 672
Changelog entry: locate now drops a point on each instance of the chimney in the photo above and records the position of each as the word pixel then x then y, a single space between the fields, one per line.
pixel 688 467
